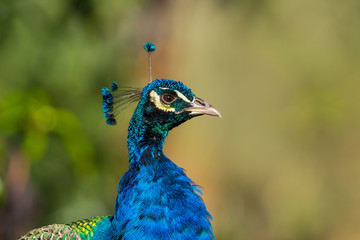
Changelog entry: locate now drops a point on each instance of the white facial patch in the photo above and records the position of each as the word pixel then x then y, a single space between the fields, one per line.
pixel 155 98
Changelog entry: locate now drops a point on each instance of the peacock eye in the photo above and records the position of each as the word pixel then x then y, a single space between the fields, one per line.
pixel 168 98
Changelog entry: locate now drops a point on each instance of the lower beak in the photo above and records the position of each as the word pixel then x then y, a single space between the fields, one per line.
pixel 199 106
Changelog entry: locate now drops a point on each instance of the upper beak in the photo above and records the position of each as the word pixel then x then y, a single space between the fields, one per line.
pixel 199 106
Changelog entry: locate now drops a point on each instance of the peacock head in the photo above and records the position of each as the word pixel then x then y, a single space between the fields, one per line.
pixel 165 104
pixel 162 105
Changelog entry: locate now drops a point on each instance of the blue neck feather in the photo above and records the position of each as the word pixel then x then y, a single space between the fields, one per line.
pixel 141 138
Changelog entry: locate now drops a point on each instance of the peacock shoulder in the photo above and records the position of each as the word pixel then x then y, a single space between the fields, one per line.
pixel 87 227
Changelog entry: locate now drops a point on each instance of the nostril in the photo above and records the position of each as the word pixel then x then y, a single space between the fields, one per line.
pixel 199 102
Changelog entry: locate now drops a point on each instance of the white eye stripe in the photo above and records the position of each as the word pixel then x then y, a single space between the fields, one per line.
pixel 182 96
pixel 179 94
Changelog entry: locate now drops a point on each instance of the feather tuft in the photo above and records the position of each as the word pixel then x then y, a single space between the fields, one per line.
pixel 116 100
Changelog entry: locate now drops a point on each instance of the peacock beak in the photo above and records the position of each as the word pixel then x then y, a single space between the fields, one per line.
pixel 199 106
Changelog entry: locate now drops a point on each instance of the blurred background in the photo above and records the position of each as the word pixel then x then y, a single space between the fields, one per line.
pixel 283 162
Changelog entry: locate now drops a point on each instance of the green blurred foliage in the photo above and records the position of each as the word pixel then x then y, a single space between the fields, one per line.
pixel 283 163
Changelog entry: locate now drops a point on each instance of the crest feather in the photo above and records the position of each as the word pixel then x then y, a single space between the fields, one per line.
pixel 117 99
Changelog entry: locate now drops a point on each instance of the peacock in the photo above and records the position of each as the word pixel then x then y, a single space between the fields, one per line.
pixel 156 200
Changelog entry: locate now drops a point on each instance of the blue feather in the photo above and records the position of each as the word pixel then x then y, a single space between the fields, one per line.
pixel 111 120
pixel 114 86
pixel 149 47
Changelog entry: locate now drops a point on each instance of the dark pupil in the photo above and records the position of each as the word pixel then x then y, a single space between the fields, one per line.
pixel 168 98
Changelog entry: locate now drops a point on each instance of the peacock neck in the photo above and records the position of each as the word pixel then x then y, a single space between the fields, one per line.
pixel 156 200
pixel 144 136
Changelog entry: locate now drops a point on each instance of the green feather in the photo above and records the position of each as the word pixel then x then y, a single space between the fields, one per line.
pixel 85 227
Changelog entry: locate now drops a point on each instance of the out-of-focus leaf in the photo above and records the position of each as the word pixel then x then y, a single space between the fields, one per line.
pixel 79 148
pixel 34 144
pixel 45 118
